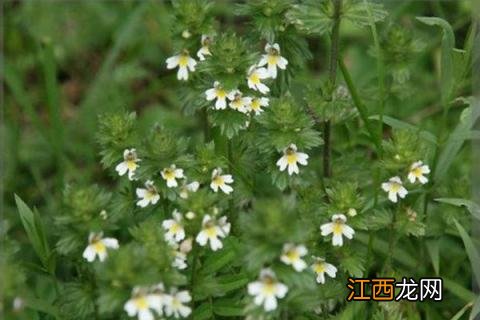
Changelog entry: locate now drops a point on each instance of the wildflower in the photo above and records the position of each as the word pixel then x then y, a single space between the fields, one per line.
pixel 417 171
pixel 254 78
pixel 174 304
pixel 186 188
pixel 338 228
pixel 141 304
pixel 290 158
pixel 292 255
pixel 256 105
pixel 219 93
pixel 266 290
pixel 174 227
pixel 184 63
pixel 179 257
pixel 272 59
pixel 190 215
pixel 238 102
pixel 129 163
pixel 204 50
pixel 171 174
pixel 147 195
pixel 186 34
pixel 97 246
pixel 320 267
pixel 212 230
pixel 352 212
pixel 221 181
pixel 394 187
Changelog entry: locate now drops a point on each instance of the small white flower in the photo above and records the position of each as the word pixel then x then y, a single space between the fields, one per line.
pixel 417 171
pixel 352 212
pixel 129 163
pixel 171 174
pixel 184 63
pixel 273 59
pixel 212 230
pixel 190 215
pixel 187 188
pixel 220 94
pixel 147 195
pixel 141 304
pixel 221 181
pixel 255 77
pixel 174 228
pixel 186 34
pixel 97 246
pixel 175 304
pixel 290 158
pixel 238 102
pixel 339 228
pixel 266 290
pixel 320 267
pixel 394 187
pixel 179 258
pixel 204 50
pixel 292 255
pixel 256 105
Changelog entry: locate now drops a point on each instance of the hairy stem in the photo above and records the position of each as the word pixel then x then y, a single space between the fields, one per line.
pixel 332 73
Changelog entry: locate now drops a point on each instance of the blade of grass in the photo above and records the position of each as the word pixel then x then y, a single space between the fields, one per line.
pixel 472 251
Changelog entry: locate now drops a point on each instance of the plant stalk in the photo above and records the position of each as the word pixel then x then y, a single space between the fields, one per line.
pixel 332 73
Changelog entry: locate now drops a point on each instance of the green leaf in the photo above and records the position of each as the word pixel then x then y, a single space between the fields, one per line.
pixel 33 227
pixel 398 124
pixel 216 261
pixel 458 290
pixel 456 139
pixel 228 308
pixel 42 306
pixel 447 66
pixel 434 253
pixel 203 312
pixel 471 206
pixel 461 312
pixel 472 252
pixel 231 282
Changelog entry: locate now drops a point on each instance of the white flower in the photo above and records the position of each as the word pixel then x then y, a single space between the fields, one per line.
pixel 147 195
pixel 129 163
pixel 212 230
pixel 190 215
pixel 219 93
pixel 204 50
pixel 266 290
pixel 338 228
pixel 187 188
pixel 394 187
pixel 320 267
pixel 292 255
pixel 141 304
pixel 174 227
pixel 290 158
pixel 273 59
pixel 255 77
pixel 171 174
pixel 238 102
pixel 97 246
pixel 174 304
pixel 221 181
pixel 352 212
pixel 417 171
pixel 256 105
pixel 184 63
pixel 179 257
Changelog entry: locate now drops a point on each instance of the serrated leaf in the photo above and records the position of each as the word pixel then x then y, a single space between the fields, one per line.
pixel 203 312
pixel 228 308
pixel 216 261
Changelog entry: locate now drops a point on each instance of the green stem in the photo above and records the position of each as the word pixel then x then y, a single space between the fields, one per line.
pixel 362 109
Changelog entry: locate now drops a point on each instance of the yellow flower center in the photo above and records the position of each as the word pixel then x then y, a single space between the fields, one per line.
pixel 255 104
pixel 254 78
pixel 291 158
pixel 176 303
pixel 211 231
pixel 169 174
pixel 175 228
pixel 417 172
pixel 395 187
pixel 141 303
pixel 268 286
pixel 218 180
pixel 319 267
pixel 99 247
pixel 183 60
pixel 131 165
pixel 220 93
pixel 337 228
pixel 272 59
pixel 293 255
pixel 150 194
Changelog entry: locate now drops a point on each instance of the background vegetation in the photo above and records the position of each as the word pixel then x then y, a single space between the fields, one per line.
pixel 71 66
